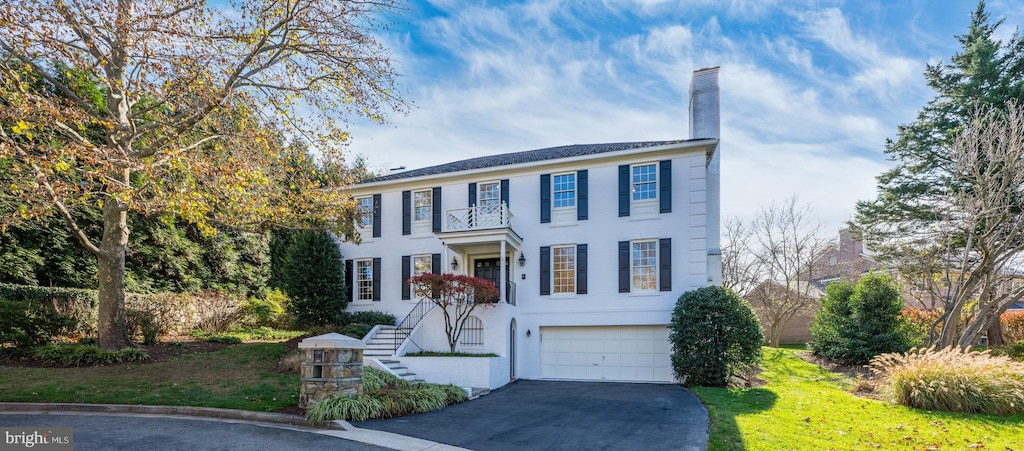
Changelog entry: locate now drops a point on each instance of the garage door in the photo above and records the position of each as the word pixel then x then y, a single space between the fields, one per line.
pixel 606 353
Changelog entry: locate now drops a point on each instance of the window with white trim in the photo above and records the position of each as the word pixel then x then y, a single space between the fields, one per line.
pixel 645 182
pixel 421 204
pixel 364 211
pixel 563 265
pixel 489 194
pixel 644 265
pixel 564 190
pixel 421 264
pixel 364 280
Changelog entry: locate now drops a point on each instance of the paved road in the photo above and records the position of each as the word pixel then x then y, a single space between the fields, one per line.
pixel 565 415
pixel 133 432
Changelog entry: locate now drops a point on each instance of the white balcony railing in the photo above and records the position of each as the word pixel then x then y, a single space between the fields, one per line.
pixel 478 218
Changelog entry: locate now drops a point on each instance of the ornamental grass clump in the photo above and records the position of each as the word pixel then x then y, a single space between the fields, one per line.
pixel 385 396
pixel 952 380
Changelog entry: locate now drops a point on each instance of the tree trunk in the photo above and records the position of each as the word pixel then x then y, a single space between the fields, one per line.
pixel 111 322
pixel 995 334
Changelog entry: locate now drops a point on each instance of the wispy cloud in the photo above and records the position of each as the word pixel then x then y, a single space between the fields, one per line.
pixel 810 90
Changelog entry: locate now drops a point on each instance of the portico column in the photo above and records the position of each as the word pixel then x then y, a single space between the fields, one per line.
pixel 501 274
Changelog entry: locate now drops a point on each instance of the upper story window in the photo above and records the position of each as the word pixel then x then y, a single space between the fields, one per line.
pixel 489 194
pixel 364 280
pixel 364 211
pixel 645 182
pixel 563 259
pixel 422 208
pixel 564 187
pixel 644 265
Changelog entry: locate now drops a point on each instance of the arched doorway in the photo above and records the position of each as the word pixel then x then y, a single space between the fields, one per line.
pixel 512 350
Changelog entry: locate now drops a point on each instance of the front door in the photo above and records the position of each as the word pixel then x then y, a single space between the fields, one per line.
pixel 489 269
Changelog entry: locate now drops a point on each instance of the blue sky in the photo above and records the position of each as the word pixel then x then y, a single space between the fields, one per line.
pixel 810 89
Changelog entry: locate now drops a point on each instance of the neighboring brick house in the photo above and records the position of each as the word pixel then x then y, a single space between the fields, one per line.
pixel 844 260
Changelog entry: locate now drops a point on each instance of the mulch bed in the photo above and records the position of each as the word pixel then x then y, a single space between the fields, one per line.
pixel 849 370
pixel 176 346
pixel 169 348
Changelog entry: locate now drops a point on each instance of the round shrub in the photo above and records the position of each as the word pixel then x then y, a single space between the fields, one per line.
pixel 858 322
pixel 714 336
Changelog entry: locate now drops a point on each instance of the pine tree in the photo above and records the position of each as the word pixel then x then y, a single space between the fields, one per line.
pixel 985 74
pixel 910 224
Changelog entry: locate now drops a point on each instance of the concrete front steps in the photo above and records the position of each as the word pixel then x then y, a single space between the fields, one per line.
pixel 382 348
pixel 382 344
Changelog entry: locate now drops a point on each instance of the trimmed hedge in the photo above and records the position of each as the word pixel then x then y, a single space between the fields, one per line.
pixel 30 316
pixel 75 307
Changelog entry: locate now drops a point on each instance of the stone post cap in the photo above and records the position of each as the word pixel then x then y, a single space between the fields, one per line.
pixel 331 341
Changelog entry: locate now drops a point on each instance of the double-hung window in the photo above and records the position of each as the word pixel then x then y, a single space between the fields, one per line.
pixel 364 211
pixel 422 208
pixel 563 263
pixel 644 265
pixel 645 182
pixel 564 190
pixel 489 194
pixel 364 280
pixel 421 264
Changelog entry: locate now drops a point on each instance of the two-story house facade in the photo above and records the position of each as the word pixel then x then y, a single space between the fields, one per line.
pixel 589 245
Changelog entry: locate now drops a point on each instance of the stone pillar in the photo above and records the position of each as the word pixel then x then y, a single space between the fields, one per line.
pixel 331 364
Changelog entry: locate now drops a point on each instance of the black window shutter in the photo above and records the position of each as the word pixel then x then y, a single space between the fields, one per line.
pixel 581 269
pixel 665 264
pixel 582 210
pixel 435 203
pixel 349 277
pixel 623 192
pixel 545 198
pixel 376 215
pixel 504 191
pixel 545 270
pixel 624 266
pixel 472 194
pixel 665 182
pixel 406 213
pixel 376 279
pixel 406 273
pixel 435 263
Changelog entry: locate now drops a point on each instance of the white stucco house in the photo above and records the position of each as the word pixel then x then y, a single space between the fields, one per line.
pixel 590 245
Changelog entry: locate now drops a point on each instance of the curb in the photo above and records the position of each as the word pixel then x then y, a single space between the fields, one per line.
pixel 203 412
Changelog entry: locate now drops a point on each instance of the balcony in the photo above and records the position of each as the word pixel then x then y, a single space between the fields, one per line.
pixel 484 217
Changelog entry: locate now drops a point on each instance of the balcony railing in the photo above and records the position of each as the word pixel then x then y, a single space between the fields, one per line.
pixel 478 218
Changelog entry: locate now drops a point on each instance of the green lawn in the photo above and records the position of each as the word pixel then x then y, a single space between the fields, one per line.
pixel 237 377
pixel 806 407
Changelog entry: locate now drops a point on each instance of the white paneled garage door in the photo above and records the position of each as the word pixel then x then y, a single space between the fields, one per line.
pixel 606 353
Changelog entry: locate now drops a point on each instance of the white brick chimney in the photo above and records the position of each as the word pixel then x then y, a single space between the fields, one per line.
pixel 704 124
pixel 704 121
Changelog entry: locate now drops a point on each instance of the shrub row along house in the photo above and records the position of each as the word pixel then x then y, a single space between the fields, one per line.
pixel 589 245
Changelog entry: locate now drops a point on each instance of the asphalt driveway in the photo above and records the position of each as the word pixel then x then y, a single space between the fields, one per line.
pixel 530 414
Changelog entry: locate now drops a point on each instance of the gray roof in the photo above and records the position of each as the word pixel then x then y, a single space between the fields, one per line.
pixel 529 156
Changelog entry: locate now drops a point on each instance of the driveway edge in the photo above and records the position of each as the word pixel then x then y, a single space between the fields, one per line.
pixel 203 412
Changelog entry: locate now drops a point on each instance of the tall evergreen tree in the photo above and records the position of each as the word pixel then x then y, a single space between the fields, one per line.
pixel 910 224
pixel 985 74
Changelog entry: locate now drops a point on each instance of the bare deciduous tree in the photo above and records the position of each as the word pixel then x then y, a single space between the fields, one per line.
pixel 740 270
pixel 784 245
pixel 970 255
